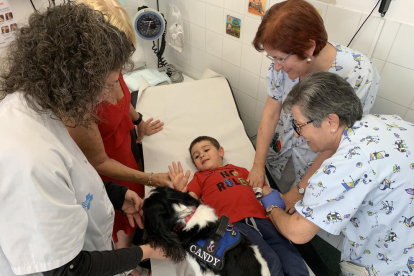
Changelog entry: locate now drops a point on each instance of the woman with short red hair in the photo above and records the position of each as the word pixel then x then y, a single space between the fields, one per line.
pixel 293 35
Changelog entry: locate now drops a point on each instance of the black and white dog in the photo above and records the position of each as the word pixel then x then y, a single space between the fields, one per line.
pixel 186 229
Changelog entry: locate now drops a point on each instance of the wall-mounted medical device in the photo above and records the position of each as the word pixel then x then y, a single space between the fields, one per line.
pixel 385 4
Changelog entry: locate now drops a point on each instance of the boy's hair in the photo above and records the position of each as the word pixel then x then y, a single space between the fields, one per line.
pixel 199 139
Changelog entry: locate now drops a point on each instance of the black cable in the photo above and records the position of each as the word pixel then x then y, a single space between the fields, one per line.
pixel 31 1
pixel 159 52
pixel 363 23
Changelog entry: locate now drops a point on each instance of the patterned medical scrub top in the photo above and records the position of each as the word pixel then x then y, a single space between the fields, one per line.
pixel 355 68
pixel 366 191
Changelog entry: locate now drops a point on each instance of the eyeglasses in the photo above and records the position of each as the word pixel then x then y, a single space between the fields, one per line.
pixel 278 60
pixel 296 127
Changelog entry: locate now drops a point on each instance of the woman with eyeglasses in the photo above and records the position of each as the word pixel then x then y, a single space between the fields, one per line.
pixel 295 40
pixel 364 190
pixel 107 142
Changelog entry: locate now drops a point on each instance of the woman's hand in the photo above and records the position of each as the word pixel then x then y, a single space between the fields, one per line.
pixel 290 199
pixel 148 128
pixel 161 179
pixel 256 176
pixel 132 208
pixel 178 178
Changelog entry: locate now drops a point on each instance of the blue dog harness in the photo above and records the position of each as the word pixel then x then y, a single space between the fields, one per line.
pixel 210 252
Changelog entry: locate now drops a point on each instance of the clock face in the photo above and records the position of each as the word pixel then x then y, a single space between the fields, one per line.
pixel 149 25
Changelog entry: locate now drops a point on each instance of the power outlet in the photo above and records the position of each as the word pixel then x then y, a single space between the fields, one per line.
pixel 328 1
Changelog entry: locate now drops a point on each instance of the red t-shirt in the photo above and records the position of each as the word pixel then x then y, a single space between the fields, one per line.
pixel 226 190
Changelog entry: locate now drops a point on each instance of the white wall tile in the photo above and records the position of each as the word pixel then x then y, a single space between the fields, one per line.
pixel 248 83
pixel 198 13
pixel 187 30
pixel 412 105
pixel 362 42
pixel 251 60
pixel 198 59
pixel 235 5
pixel 185 55
pixel 214 43
pixel 321 7
pixel 249 29
pixel 341 24
pixel 396 84
pixel 248 125
pixel 262 92
pixel 198 37
pixel 409 116
pixel 379 64
pixel 259 111
pixel 386 39
pixel 231 51
pixel 383 106
pixel 219 3
pixel 272 2
pixel 402 50
pixel 231 73
pixel 214 18
pixel 213 63
pixel 247 105
pixel 184 7
pixel 265 65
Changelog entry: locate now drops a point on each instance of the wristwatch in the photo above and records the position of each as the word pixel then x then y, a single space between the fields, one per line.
pixel 301 190
pixel 139 120
pixel 270 208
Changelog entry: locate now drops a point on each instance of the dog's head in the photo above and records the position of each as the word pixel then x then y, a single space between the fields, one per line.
pixel 170 216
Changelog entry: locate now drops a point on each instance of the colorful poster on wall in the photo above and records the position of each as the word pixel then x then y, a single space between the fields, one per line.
pixel 7 23
pixel 233 25
pixel 257 7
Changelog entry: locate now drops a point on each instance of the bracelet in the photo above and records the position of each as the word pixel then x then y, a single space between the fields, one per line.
pixel 150 181
pixel 139 120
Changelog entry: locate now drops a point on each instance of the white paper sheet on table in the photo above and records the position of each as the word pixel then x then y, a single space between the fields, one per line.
pixel 189 110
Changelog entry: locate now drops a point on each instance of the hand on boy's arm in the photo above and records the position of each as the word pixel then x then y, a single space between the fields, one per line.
pixel 178 178
pixel 291 198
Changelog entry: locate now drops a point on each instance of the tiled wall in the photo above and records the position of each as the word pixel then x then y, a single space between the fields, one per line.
pixel 208 46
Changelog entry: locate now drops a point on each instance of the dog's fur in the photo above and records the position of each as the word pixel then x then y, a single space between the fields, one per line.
pixel 166 208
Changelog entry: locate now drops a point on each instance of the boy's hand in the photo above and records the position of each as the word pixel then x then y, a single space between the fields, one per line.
pixel 178 178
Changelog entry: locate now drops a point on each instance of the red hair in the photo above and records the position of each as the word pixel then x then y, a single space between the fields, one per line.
pixel 289 27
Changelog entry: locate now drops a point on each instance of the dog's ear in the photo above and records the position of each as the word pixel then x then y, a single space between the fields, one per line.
pixel 159 222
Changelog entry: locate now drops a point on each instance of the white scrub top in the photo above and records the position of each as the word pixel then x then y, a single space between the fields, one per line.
pixel 351 65
pixel 53 202
pixel 366 191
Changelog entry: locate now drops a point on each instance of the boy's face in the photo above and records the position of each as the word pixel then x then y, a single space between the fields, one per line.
pixel 206 156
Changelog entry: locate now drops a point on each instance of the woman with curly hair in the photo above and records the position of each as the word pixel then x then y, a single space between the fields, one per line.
pixel 56 216
pixel 107 142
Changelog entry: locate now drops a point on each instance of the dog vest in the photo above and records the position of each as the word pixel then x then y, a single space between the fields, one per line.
pixel 210 252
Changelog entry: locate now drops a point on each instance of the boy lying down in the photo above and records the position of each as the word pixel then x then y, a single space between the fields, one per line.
pixel 225 189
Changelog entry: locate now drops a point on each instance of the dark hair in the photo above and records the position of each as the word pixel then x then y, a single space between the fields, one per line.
pixel 199 139
pixel 289 26
pixel 324 93
pixel 61 59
